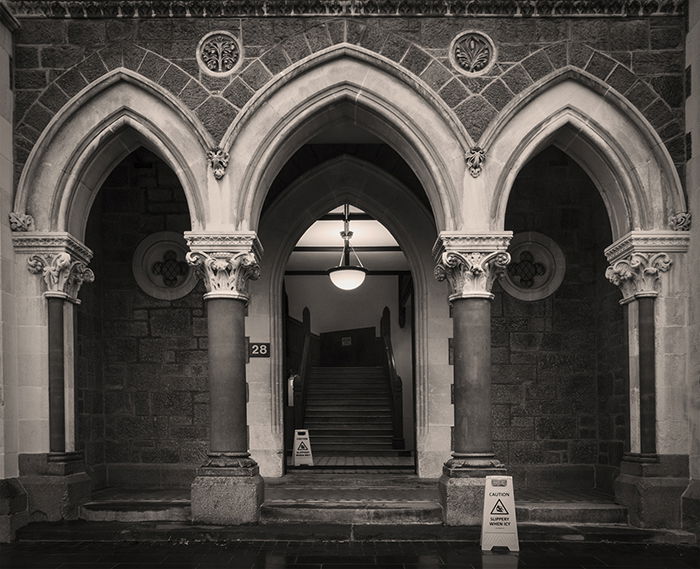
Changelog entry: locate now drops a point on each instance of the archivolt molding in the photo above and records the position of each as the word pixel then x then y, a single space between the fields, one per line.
pixel 607 135
pixel 74 155
pixel 347 80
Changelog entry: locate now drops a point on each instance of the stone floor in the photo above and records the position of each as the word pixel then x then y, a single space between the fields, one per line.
pixel 334 555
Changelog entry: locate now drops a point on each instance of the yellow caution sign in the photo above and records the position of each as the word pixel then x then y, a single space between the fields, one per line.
pixel 498 527
pixel 302 449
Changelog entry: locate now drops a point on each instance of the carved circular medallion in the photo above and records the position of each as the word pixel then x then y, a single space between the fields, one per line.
pixel 160 268
pixel 536 268
pixel 472 53
pixel 219 53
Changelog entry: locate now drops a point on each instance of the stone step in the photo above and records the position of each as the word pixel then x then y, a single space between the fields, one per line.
pixel 570 512
pixel 345 430
pixel 351 511
pixel 340 406
pixel 136 511
pixel 347 416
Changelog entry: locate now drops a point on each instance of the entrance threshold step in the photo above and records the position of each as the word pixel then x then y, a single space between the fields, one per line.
pixel 136 511
pixel 351 511
pixel 570 512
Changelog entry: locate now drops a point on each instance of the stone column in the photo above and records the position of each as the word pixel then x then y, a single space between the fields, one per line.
pixel 228 489
pixel 57 482
pixel 650 483
pixel 470 264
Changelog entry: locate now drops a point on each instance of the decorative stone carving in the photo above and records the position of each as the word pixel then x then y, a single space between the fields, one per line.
pixel 21 221
pixel 62 274
pixel 218 158
pixel 472 53
pixel 681 221
pixel 160 268
pixel 225 274
pixel 638 275
pixel 219 53
pixel 648 242
pixel 397 8
pixel 475 160
pixel 471 274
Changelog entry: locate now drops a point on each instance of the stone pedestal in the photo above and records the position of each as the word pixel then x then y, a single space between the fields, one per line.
pixel 690 505
pixel 56 485
pixel 228 495
pixel 652 491
pixel 462 492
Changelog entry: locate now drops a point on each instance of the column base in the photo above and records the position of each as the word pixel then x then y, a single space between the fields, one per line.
pixel 56 485
pixel 461 488
pixel 651 488
pixel 690 503
pixel 227 491
pixel 13 509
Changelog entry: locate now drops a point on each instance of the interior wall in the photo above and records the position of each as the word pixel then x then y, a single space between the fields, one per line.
pixel 333 309
pixel 559 364
pixel 146 373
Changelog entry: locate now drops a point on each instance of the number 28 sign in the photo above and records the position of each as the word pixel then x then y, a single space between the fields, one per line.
pixel 259 350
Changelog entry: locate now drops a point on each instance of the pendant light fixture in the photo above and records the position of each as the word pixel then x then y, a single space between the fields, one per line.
pixel 345 275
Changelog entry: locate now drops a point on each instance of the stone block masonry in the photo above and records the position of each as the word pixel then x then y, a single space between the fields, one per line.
pixel 145 400
pixel 639 57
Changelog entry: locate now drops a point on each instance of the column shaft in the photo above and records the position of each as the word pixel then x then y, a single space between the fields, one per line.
pixel 227 383
pixel 472 376
pixel 57 419
pixel 647 375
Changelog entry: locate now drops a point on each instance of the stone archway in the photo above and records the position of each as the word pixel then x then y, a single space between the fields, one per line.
pixel 406 218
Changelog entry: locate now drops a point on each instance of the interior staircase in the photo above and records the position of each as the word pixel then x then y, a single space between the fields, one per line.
pixel 348 410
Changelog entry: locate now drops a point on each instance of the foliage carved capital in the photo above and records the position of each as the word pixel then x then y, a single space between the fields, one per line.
pixel 225 273
pixel 62 273
pixel 639 274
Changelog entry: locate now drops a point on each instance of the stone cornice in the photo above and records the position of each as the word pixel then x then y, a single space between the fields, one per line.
pixel 40 242
pixel 344 8
pixel 648 242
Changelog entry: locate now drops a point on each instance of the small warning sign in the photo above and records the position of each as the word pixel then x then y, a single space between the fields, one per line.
pixel 302 449
pixel 499 509
pixel 498 527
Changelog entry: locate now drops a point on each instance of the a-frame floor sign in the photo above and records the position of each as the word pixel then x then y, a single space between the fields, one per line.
pixel 301 456
pixel 498 526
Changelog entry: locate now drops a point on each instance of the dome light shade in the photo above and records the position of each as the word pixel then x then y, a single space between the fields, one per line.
pixel 347 277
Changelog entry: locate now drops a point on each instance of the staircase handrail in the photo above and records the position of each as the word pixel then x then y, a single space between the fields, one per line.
pixel 395 383
pixel 301 380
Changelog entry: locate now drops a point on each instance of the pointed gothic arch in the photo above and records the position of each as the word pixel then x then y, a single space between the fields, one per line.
pixel 350 83
pixel 604 133
pixel 92 133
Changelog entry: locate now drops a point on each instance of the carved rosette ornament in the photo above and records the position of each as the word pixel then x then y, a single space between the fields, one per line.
pixel 680 221
pixel 638 275
pixel 219 53
pixel 472 53
pixel 225 274
pixel 218 159
pixel 21 221
pixel 475 160
pixel 471 274
pixel 62 274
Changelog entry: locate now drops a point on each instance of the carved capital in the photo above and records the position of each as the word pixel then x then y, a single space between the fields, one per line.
pixel 475 160
pixel 21 221
pixel 638 275
pixel 218 159
pixel 225 274
pixel 62 273
pixel 470 263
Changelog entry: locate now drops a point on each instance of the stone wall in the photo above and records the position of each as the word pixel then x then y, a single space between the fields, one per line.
pixel 154 358
pixel 640 57
pixel 558 389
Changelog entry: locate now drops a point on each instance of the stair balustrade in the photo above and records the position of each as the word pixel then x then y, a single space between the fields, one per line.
pixel 395 385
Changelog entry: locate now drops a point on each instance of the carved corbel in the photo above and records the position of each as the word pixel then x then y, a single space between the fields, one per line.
pixel 475 160
pixel 681 221
pixel 62 274
pixel 218 158
pixel 225 274
pixel 20 221
pixel 638 274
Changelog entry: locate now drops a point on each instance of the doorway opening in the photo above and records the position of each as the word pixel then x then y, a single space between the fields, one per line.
pixel 349 353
